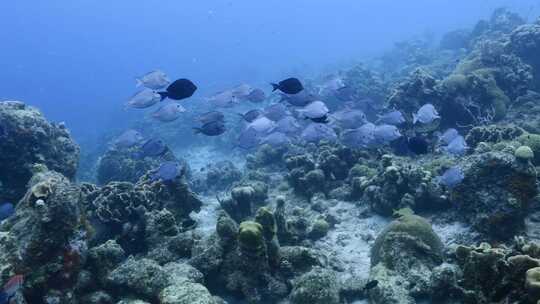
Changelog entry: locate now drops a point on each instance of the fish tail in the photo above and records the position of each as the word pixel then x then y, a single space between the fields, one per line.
pixel 197 130
pixel 139 82
pixel 163 95
pixel 414 119
pixel 275 87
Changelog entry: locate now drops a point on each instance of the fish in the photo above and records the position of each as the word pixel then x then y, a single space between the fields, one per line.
pixel 287 125
pixel 323 120
pixel 426 114
pixel 179 89
pixel 210 117
pixel 276 111
pixel 154 80
pixel 457 146
pixel 10 288
pixel 276 139
pixel 362 137
pixel 451 177
pixel 151 148
pixel 288 86
pixel 143 99
pixel 213 128
pixel 169 112
pixel 248 139
pixel 128 139
pixel 371 284
pixel 299 100
pixel 223 99
pixel 242 91
pixel 316 132
pixel 250 116
pixel 256 96
pixel 386 133
pixel 314 110
pixel 418 145
pixel 391 118
pixel 345 93
pixel 262 125
pixel 332 84
pixel 350 118
pixel 448 136
pixel 6 211
pixel 167 171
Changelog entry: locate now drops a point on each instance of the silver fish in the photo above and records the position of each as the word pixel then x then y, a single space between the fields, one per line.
pixel 392 118
pixel 276 139
pixel 128 139
pixel 314 110
pixel 349 118
pixel 426 114
pixel 224 99
pixel 362 137
pixel 457 146
pixel 169 112
pixel 248 139
pixel 287 125
pixel 262 125
pixel 154 80
pixel 451 177
pixel 386 133
pixel 316 132
pixel 167 171
pixel 276 111
pixel 143 99
pixel 448 136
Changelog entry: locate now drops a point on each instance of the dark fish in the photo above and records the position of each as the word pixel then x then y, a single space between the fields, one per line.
pixel 418 145
pixel 179 89
pixel 151 148
pixel 6 210
pixel 210 117
pixel 371 285
pixel 323 119
pixel 214 128
pixel 250 116
pixel 289 86
pixel 256 96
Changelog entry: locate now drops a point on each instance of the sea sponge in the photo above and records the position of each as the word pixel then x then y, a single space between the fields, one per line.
pixel 250 236
pixel 524 153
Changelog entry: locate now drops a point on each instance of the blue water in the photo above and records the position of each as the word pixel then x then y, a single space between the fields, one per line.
pixel 76 60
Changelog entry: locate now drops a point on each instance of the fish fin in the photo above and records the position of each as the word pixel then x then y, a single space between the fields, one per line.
pixel 139 82
pixel 197 130
pixel 414 119
pixel 275 87
pixel 163 95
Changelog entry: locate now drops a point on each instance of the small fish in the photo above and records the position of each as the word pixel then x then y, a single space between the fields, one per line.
pixel 154 80
pixel 418 145
pixel 248 139
pixel 256 96
pixel 448 136
pixel 276 139
pixel 210 117
pixel 332 84
pixel 362 137
pixel 386 133
pixel 179 89
pixel 287 125
pixel 276 111
pixel 143 99
pixel 167 171
pixel 451 177
pixel 214 128
pixel 457 146
pixel 6 211
pixel 371 285
pixel 314 110
pixel 350 118
pixel 223 99
pixel 128 139
pixel 392 118
pixel 316 132
pixel 288 86
pixel 151 148
pixel 262 125
pixel 242 91
pixel 250 116
pixel 426 114
pixel 301 99
pixel 169 112
pixel 10 288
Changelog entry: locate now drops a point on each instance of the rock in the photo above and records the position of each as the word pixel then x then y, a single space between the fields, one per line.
pixel 29 140
pixel 319 286
pixel 532 284
pixel 186 293
pixel 319 229
pixel 139 276
pixel 524 153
